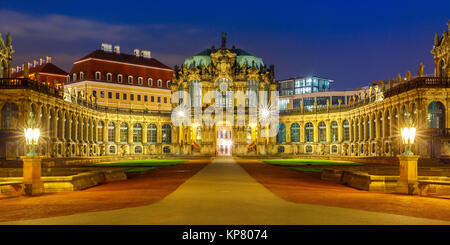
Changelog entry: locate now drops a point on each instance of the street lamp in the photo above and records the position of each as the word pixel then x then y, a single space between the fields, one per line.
pixel 407 182
pixel 408 135
pixel 32 184
pixel 31 139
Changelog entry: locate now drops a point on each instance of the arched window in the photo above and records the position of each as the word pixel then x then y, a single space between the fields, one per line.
pixel 322 132
pixel 111 130
pixel 334 131
pixel 295 132
pixel 199 135
pixel 2 69
pixel 252 93
pixel 159 83
pixel 151 134
pixel 166 134
pixel 436 115
pixel 58 125
pixel 137 133
pixel 140 80
pixel 388 124
pixel 368 125
pixel 108 76
pixel 395 126
pixel 281 137
pixel 81 75
pixel 10 113
pixel 346 130
pixel 74 76
pixel 150 82
pixel 442 69
pixel 98 75
pixel 168 83
pixel 130 79
pixel 414 112
pixel 65 127
pixel 123 133
pixel 249 135
pixel 119 78
pixel 100 125
pixel 362 137
pixel 309 132
pixel 195 91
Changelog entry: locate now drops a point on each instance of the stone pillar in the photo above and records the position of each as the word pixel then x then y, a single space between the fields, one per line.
pixel 328 131
pixel 341 131
pixel 144 133
pixel 407 182
pixel 117 133
pixel 130 133
pixel 105 132
pixel 288 132
pixel 32 184
pixel 316 131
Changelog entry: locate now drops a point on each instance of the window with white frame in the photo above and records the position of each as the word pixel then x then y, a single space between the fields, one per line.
pixel 168 83
pixel 81 75
pixel 108 76
pixel 97 75
pixel 74 76
pixel 149 82
pixel 140 80
pixel 159 83
pixel 119 78
pixel 130 80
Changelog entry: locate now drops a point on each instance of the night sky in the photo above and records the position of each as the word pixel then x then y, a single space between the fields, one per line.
pixel 351 42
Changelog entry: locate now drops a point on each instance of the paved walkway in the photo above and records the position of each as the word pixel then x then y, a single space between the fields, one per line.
pixel 223 193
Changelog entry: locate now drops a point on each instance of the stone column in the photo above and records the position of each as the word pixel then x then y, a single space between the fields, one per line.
pixel 316 131
pixel 340 131
pixel 32 184
pixel 407 182
pixel 130 133
pixel 144 133
pixel 288 132
pixel 328 131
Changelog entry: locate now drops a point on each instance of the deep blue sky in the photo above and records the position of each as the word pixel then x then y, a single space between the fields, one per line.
pixel 352 42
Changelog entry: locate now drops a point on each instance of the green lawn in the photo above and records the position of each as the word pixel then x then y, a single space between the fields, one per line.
pixel 139 170
pixel 309 162
pixel 140 163
pixel 309 170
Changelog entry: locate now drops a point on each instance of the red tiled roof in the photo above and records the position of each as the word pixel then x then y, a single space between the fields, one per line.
pixel 44 68
pixel 126 58
pixel 128 65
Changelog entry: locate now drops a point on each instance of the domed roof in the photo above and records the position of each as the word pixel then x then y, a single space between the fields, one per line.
pixel 242 57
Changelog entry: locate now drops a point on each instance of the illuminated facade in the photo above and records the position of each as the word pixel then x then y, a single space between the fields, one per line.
pixel 366 125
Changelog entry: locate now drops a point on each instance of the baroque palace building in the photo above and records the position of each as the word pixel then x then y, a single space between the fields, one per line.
pixel 75 123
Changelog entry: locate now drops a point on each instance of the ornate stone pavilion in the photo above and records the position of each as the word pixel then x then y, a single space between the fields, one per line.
pixel 368 126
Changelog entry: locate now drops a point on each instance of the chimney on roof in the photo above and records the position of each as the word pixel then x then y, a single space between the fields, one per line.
pixel 117 49
pixel 48 59
pixel 146 54
pixel 136 52
pixel 35 63
pixel 107 47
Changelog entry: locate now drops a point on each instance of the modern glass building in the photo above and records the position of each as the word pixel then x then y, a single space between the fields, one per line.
pixel 303 85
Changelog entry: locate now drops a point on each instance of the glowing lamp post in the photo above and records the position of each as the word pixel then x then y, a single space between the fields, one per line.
pixel 31 139
pixel 32 184
pixel 407 182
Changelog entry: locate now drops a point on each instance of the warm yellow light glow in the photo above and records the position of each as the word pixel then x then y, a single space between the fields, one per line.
pixel 408 135
pixel 252 125
pixel 32 136
pixel 180 113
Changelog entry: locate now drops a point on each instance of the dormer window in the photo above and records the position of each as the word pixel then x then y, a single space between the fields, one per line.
pixel 81 75
pixel 108 76
pixel 74 76
pixel 140 80
pixel 150 82
pixel 168 84
pixel 68 79
pixel 130 80
pixel 97 75
pixel 159 83
pixel 119 78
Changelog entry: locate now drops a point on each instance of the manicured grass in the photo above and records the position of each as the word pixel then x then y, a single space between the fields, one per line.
pixel 140 163
pixel 309 162
pixel 139 170
pixel 308 170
